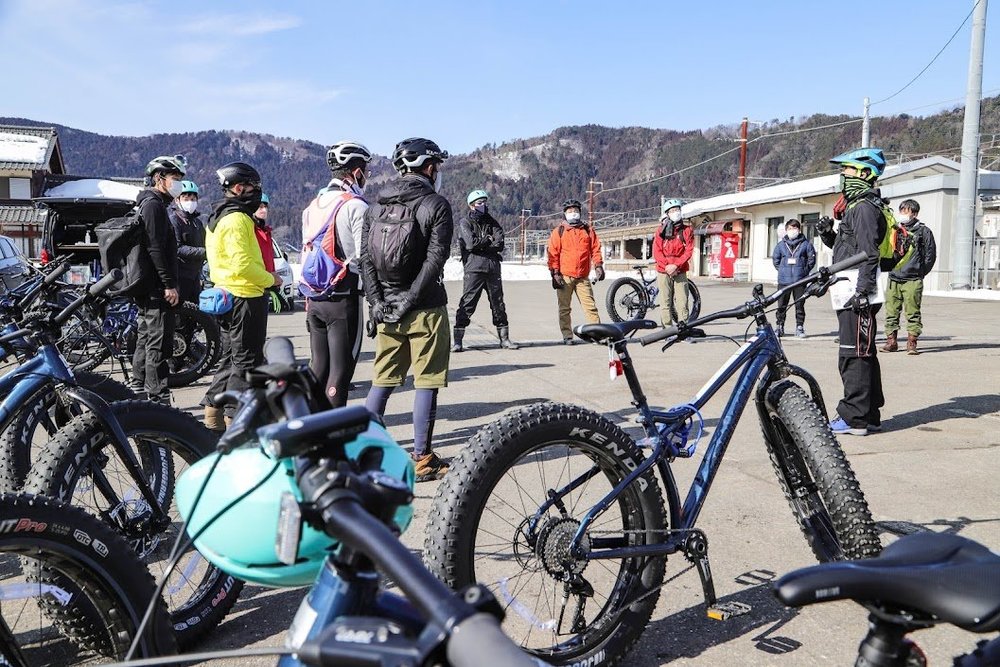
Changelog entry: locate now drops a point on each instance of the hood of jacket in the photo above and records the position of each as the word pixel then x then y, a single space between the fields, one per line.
pixel 407 188
pixel 224 208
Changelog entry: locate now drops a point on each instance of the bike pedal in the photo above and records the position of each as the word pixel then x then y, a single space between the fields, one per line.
pixel 723 611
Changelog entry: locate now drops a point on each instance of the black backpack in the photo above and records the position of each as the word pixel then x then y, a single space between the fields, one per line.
pixel 122 244
pixel 397 244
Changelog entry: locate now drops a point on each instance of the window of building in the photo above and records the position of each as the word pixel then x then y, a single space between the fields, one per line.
pixel 775 230
pixel 4 188
pixel 20 188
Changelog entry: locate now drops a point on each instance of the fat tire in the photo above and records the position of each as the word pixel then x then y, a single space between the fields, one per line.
pixel 619 289
pixel 812 467
pixel 16 443
pixel 79 445
pixel 112 589
pixel 461 498
pixel 213 342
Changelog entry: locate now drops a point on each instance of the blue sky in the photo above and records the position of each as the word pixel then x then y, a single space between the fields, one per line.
pixel 470 73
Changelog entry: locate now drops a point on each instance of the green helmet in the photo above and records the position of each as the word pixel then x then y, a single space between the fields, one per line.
pixel 669 204
pixel 189 186
pixel 250 554
pixel 476 195
pixel 171 164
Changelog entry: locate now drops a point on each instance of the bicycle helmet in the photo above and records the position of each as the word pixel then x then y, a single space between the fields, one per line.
pixel 343 152
pixel 265 200
pixel 570 203
pixel 189 186
pixel 669 204
pixel 168 164
pixel 242 540
pixel 863 158
pixel 235 173
pixel 411 154
pixel 475 196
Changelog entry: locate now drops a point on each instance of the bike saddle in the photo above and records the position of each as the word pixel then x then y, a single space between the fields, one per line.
pixel 950 578
pixel 600 333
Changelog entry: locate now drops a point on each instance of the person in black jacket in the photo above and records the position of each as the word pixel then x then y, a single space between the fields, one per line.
pixel 481 242
pixel 190 234
pixel 155 334
pixel 861 230
pixel 906 282
pixel 405 241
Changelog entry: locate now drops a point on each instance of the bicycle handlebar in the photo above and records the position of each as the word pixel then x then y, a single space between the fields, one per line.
pixel 748 308
pixel 95 290
pixel 280 351
pixel 49 279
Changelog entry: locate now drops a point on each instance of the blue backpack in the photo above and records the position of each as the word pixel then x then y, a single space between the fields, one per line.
pixel 322 270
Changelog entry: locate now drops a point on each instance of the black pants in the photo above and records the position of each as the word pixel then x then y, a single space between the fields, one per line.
pixel 800 306
pixel 154 345
pixel 335 339
pixel 244 330
pixel 859 368
pixel 474 284
pixel 189 289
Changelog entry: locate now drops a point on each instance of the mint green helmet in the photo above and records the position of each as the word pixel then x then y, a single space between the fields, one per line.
pixel 669 204
pixel 241 542
pixel 476 195
pixel 189 186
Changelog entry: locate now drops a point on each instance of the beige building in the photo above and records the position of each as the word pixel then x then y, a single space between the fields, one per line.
pixel 736 233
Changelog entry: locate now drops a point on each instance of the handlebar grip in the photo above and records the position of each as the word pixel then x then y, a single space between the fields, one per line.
pixel 479 636
pixel 849 263
pixel 102 285
pixel 49 279
pixel 657 336
pixel 279 350
pixel 56 274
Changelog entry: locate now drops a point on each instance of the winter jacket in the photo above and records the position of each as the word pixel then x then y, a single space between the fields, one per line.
pixel 160 241
pixel 434 218
pixel 572 250
pixel 266 243
pixel 480 242
pixel 924 254
pixel 234 260
pixel 674 249
pixel 794 259
pixel 189 231
pixel 861 229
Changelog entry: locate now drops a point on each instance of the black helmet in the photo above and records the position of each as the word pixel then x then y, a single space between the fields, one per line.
pixel 235 173
pixel 343 152
pixel 570 203
pixel 412 154
pixel 169 164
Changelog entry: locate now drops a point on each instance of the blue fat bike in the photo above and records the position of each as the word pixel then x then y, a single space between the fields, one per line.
pixel 561 514
pixel 630 299
pixel 327 494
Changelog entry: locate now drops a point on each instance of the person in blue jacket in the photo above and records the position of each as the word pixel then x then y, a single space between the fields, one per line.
pixel 795 258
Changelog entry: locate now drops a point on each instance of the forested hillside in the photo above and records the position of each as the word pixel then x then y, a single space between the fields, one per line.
pixel 541 172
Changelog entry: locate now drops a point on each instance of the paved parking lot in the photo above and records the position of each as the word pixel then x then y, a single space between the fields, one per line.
pixel 934 467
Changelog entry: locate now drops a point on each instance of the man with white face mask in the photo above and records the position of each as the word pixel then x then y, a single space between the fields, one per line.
pixel 794 257
pixel 155 330
pixel 673 246
pixel 573 249
pixel 190 234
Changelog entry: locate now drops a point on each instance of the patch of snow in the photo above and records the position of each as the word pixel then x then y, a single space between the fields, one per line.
pixel 22 148
pixel 976 294
pixel 94 188
pixel 509 166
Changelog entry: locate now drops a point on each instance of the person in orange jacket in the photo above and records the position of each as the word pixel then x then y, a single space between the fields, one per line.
pixel 573 248
pixel 672 249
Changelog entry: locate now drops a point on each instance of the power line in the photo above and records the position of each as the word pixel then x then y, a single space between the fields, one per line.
pixel 926 67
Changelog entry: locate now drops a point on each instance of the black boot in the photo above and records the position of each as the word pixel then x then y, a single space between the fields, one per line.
pixel 457 335
pixel 505 341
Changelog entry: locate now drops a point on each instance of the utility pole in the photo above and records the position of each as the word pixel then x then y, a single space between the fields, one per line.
pixel 525 214
pixel 866 125
pixel 965 221
pixel 590 199
pixel 741 182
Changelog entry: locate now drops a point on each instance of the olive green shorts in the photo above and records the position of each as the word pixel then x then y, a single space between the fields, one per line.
pixel 421 340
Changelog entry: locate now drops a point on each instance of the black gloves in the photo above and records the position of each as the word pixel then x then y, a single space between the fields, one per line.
pixel 824 225
pixel 599 271
pixel 398 311
pixel 558 282
pixel 858 302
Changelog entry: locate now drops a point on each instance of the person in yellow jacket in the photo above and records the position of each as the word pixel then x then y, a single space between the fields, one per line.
pixel 235 265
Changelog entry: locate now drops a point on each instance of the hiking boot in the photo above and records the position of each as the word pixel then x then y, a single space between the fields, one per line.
pixel 841 427
pixel 429 467
pixel 505 341
pixel 457 335
pixel 800 332
pixel 163 398
pixel 213 419
pixel 780 330
pixel 891 343
pixel 911 344
pixel 568 341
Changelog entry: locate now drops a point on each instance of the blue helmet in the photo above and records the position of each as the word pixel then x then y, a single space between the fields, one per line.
pixel 863 158
pixel 265 200
pixel 669 204
pixel 189 186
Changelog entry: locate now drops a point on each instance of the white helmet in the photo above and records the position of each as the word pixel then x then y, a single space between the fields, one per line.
pixel 343 152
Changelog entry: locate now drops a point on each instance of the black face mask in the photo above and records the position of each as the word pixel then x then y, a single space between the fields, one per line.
pixel 249 201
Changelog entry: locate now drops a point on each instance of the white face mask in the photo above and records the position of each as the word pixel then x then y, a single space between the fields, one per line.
pixel 675 216
pixel 792 233
pixel 437 180
pixel 358 186
pixel 174 188
pixel 572 217
pixel 902 219
pixel 188 205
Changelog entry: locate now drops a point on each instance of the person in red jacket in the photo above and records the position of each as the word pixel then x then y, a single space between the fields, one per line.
pixel 573 248
pixel 263 232
pixel 672 248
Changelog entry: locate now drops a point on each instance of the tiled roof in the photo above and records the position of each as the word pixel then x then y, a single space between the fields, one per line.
pixel 47 133
pixel 16 215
